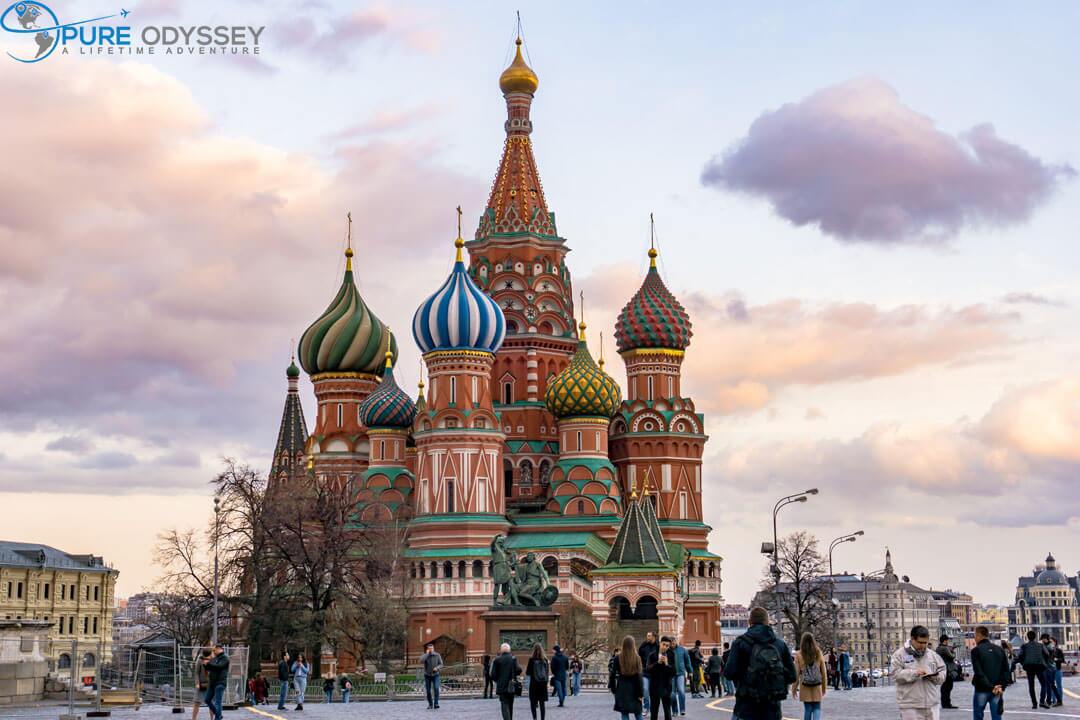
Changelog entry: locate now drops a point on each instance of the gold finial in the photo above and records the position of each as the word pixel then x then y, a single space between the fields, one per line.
pixel 519 77
pixel 645 483
pixel 292 349
pixel 581 325
pixel 459 242
pixel 633 490
pixel 310 462
pixel 348 240
pixel 652 241
pixel 601 351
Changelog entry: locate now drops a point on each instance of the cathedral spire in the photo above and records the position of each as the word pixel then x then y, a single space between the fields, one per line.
pixel 288 460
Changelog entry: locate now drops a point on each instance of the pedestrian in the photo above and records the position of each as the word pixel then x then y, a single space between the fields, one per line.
pixel 834 671
pixel 489 686
pixel 945 651
pixel 346 689
pixel 918 673
pixel 560 664
pixel 646 651
pixel 505 671
pixel 250 697
pixel 844 666
pixel 576 666
pixel 661 673
pixel 432 664
pixel 714 669
pixel 1034 658
pixel 217 671
pixel 990 675
pixel 283 670
pixel 761 666
pixel 627 681
pixel 539 672
pixel 696 661
pixel 1010 654
pixel 328 690
pixel 1049 694
pixel 262 689
pixel 810 676
pixel 301 671
pixel 202 679
pixel 682 668
pixel 1057 659
pixel 729 684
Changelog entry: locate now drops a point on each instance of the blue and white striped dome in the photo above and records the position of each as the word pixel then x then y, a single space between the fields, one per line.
pixel 459 315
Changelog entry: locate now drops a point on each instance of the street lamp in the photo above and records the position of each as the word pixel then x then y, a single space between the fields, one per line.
pixel 869 622
pixel 781 503
pixel 217 515
pixel 851 537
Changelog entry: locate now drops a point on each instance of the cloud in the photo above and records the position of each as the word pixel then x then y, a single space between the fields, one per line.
pixel 183 263
pixel 108 461
pixel 1030 298
pixel 1006 464
pixel 814 413
pixel 333 39
pixel 855 161
pixel 74 444
pixel 180 458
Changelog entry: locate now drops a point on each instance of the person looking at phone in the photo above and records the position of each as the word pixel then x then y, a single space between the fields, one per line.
pixel 918 673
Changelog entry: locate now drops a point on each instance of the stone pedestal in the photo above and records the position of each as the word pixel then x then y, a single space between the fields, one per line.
pixel 522 627
pixel 23 666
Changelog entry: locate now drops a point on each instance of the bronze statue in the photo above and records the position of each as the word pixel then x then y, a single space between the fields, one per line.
pixel 502 572
pixel 518 583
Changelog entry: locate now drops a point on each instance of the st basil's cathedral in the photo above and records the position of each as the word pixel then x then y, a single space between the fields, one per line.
pixel 520 431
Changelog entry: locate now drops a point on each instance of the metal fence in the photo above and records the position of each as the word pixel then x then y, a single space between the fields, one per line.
pixel 186 667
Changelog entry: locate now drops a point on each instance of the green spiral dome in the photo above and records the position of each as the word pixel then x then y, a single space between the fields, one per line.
pixel 583 389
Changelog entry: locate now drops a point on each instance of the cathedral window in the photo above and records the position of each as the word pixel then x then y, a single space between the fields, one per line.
pixel 477 569
pixel 340 415
pixel 598 441
pixel 508 393
pixel 671 387
pixel 682 505
pixel 650 387
pixel 579 440
pixel 453 390
pixel 449 496
pixel 475 394
pixel 481 495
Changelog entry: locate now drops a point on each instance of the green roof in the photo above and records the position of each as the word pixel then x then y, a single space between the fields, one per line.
pixel 493 518
pixel 448 552
pixel 560 540
pixel 639 541
pixel 701 553
pixel 551 519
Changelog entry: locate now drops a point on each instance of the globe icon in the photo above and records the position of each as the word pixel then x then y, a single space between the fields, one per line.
pixel 35 22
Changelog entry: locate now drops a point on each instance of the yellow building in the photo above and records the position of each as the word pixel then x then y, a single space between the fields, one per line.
pixel 74 592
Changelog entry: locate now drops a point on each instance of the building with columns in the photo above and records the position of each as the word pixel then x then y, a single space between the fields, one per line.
pixel 1046 602
pixel 519 431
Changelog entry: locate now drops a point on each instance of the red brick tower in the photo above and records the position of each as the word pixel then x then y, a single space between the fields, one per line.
pixel 518 258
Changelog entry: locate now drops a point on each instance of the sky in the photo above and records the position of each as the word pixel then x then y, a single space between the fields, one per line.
pixel 870 214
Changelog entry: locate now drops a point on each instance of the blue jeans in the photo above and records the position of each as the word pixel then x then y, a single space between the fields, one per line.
pixel 626 716
pixel 845 677
pixel 645 700
pixel 560 690
pixel 212 700
pixel 283 694
pixel 1047 686
pixel 431 689
pixel 678 694
pixel 576 684
pixel 1058 686
pixel 300 683
pixel 328 696
pixel 345 696
pixel 981 701
pixel 811 711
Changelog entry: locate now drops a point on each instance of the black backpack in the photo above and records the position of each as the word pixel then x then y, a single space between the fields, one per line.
pixel 540 671
pixel 764 674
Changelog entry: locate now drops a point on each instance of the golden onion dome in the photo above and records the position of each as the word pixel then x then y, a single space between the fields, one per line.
pixel 583 389
pixel 519 77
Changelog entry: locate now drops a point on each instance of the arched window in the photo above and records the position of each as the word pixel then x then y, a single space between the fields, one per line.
pixel 63 662
pixel 645 608
pixel 461 569
pixel 649 381
pixel 526 472
pixel 508 478
pixel 88 660
pixel 449 496
pixel 551 565
pixel 448 569
pixel 579 440
pixel 412 571
pixel 423 571
pixel 620 607
pixel 477 569
pixel 701 569
pixel 434 570
pixel 580 507
pixel 508 393
pixel 453 390
pixel 545 472
pixel 340 414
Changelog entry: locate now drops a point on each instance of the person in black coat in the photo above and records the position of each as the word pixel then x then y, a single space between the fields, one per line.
pixel 504 671
pixel 283 678
pixel 646 651
pixel 947 654
pixel 559 665
pixel 747 706
pixel 627 680
pixel 538 672
pixel 489 686
pixel 1035 659
pixel 991 673
pixel 661 673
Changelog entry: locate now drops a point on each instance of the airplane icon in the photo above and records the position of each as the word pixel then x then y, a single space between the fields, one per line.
pixel 123 12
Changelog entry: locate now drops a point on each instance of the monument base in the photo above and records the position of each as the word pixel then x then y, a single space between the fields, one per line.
pixel 521 627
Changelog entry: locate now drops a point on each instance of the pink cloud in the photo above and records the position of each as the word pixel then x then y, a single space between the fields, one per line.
pixel 857 162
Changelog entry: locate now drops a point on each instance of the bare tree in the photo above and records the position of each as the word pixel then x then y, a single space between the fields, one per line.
pixel 581 633
pixel 801 599
pixel 183 605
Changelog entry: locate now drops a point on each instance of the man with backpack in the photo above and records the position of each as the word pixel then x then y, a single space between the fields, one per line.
pixel 762 669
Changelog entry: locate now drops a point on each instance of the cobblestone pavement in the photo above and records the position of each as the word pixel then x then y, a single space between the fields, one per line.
pixel 861 704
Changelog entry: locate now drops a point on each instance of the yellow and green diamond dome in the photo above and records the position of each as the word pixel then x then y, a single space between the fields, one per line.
pixel 583 389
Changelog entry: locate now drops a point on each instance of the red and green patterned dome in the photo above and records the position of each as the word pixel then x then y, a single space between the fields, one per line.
pixel 653 318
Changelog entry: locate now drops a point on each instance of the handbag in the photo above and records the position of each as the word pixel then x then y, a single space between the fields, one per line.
pixel 516 686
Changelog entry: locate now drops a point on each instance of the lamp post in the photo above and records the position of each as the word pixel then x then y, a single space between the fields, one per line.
pixel 851 537
pixel 866 577
pixel 775 569
pixel 217 515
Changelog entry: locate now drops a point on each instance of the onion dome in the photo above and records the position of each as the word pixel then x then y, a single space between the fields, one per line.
pixel 519 77
pixel 459 315
pixel 388 406
pixel 292 371
pixel 653 318
pixel 582 389
pixel 347 337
